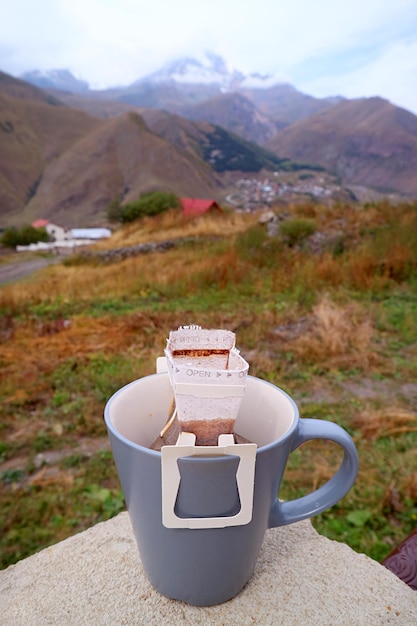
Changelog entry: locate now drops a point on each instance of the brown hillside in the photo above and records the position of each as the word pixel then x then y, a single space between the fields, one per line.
pixel 169 96
pixel 121 158
pixel 33 132
pixel 222 151
pixel 237 114
pixel 366 142
pixel 21 89
pixel 184 134
pixel 177 130
pixel 97 107
pixel 285 104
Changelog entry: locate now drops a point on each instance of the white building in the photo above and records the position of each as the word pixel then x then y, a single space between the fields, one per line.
pixel 57 233
pixel 90 233
pixel 65 237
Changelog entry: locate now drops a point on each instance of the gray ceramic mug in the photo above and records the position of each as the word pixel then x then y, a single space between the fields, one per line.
pixel 199 565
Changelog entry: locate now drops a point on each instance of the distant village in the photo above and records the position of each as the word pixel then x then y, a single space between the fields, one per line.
pixel 252 193
pixel 62 238
pixel 249 194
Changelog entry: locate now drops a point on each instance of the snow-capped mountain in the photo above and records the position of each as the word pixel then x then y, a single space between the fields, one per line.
pixel 209 69
pixel 189 82
pixel 260 81
pixel 56 79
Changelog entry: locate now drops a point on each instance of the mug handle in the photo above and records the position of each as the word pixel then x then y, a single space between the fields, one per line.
pixel 333 490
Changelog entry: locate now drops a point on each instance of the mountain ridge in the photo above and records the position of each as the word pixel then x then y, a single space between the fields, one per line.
pixel 122 159
pixel 62 79
pixel 67 156
pixel 188 81
pixel 377 147
pixel 208 68
pixel 61 163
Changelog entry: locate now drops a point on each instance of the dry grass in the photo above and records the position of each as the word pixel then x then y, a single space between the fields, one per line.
pixel 172 225
pixel 136 275
pixel 38 345
pixel 317 460
pixel 304 319
pixel 389 421
pixel 335 335
pixel 90 282
pixel 327 270
pixel 410 487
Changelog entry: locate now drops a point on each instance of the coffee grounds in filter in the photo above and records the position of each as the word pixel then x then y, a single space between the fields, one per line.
pixel 208 377
pixel 170 436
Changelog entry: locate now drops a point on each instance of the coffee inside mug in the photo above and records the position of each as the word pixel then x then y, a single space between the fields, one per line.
pixel 140 410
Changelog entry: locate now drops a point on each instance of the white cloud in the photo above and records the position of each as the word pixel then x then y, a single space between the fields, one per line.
pixel 110 42
pixel 393 76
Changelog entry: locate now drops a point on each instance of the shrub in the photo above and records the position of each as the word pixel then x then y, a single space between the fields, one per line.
pixel 114 211
pixel 149 204
pixel 24 236
pixel 295 231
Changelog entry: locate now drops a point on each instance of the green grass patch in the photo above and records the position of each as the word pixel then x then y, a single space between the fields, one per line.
pixel 337 331
pixel 35 516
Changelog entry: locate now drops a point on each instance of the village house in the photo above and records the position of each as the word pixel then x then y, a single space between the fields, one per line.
pixel 90 233
pixel 56 233
pixel 193 207
pixel 65 237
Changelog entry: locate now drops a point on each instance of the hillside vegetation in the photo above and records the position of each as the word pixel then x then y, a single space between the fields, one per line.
pixel 366 141
pixel 59 163
pixel 67 157
pixel 32 134
pixel 325 308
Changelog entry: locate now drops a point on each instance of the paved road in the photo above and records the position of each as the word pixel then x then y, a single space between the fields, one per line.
pixel 19 269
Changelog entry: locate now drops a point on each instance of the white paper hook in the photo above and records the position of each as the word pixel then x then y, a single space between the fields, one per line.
pixel 171 480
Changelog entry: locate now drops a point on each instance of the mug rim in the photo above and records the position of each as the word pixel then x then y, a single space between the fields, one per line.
pixel 156 453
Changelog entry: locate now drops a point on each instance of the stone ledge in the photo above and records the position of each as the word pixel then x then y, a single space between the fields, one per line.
pixel 301 578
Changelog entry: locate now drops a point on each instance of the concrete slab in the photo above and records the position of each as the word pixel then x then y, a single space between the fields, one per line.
pixel 301 579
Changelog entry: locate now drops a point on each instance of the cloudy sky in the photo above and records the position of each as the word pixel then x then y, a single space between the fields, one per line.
pixel 353 48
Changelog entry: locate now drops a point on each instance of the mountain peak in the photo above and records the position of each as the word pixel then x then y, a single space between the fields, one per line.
pixel 210 69
pixel 61 79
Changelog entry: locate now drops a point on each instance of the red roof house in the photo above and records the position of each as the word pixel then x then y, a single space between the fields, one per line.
pixel 40 223
pixel 192 207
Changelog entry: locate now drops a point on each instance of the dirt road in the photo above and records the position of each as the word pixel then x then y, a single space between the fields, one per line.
pixel 10 272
